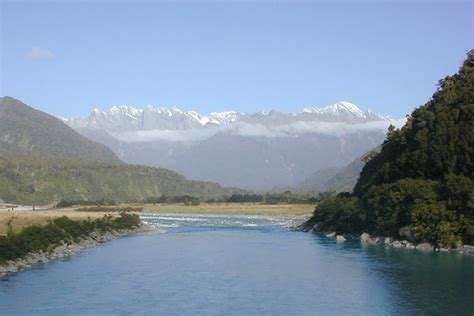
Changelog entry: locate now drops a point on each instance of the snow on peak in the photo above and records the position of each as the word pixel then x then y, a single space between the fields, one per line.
pixel 337 109
pixel 129 111
pixel 128 118
pixel 224 117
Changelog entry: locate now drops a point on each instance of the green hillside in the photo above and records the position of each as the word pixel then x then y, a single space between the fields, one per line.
pixel 24 130
pixel 423 178
pixel 42 180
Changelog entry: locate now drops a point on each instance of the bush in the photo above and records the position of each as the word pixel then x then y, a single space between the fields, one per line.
pixel 341 214
pixel 58 231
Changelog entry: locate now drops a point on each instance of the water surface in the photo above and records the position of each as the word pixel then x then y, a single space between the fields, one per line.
pixel 231 265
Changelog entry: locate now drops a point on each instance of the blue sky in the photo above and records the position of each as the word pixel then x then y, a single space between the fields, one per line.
pixel 68 58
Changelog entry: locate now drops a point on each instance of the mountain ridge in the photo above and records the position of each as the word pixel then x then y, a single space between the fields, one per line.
pixel 149 118
pixel 25 130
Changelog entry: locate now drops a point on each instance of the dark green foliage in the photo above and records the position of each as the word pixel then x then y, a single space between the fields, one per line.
pixel 245 198
pixel 423 176
pixel 43 180
pixel 341 214
pixel 58 231
pixel 268 198
pixel 186 199
pixel 125 221
pixel 103 202
pixel 391 204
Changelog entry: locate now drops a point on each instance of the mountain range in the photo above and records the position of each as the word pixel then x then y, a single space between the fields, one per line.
pixel 126 118
pixel 258 151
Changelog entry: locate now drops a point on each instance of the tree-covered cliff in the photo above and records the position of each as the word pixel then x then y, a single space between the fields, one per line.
pixel 423 178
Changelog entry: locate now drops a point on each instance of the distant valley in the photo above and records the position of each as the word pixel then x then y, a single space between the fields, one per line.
pixel 260 151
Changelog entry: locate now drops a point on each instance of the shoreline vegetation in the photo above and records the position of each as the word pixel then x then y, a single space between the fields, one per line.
pixel 29 237
pixel 49 237
pixel 418 191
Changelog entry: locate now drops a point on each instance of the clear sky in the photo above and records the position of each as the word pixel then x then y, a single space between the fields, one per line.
pixel 68 58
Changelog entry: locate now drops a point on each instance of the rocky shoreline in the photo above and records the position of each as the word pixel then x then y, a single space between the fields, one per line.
pixel 367 239
pixel 66 250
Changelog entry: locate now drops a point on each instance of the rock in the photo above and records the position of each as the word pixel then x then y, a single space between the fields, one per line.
pixel 425 247
pixel 388 240
pixel 367 239
pixel 364 238
pixel 340 238
pixel 396 244
pixel 331 235
pixel 466 249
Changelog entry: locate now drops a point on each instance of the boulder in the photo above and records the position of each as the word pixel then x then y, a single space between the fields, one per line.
pixel 397 244
pixel 340 238
pixel 466 249
pixel 331 235
pixel 425 247
pixel 364 238
pixel 388 240
pixel 367 239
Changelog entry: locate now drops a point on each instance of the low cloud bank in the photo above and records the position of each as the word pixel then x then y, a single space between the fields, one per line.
pixel 257 130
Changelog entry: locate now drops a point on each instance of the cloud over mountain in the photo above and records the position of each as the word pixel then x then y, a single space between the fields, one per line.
pixel 259 150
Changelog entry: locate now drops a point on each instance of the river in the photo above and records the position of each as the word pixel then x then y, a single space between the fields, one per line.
pixel 237 265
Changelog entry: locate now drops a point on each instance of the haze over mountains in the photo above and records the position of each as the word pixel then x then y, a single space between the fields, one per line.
pixel 257 151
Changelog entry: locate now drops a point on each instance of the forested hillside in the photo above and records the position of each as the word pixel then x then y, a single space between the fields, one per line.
pixel 41 180
pixel 423 177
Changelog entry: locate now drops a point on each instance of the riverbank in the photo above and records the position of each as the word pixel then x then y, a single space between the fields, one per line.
pixel 367 239
pixel 62 237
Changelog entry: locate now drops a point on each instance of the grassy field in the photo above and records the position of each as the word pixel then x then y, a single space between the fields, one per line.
pixel 23 219
pixel 217 208
pixel 232 209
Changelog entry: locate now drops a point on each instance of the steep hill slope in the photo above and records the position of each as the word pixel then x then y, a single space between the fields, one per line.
pixel 24 130
pixel 422 181
pixel 42 180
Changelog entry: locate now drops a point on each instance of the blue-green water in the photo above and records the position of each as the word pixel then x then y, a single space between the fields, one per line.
pixel 241 266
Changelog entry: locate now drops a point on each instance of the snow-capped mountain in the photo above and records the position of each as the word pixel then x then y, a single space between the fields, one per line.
pixel 258 151
pixel 125 118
